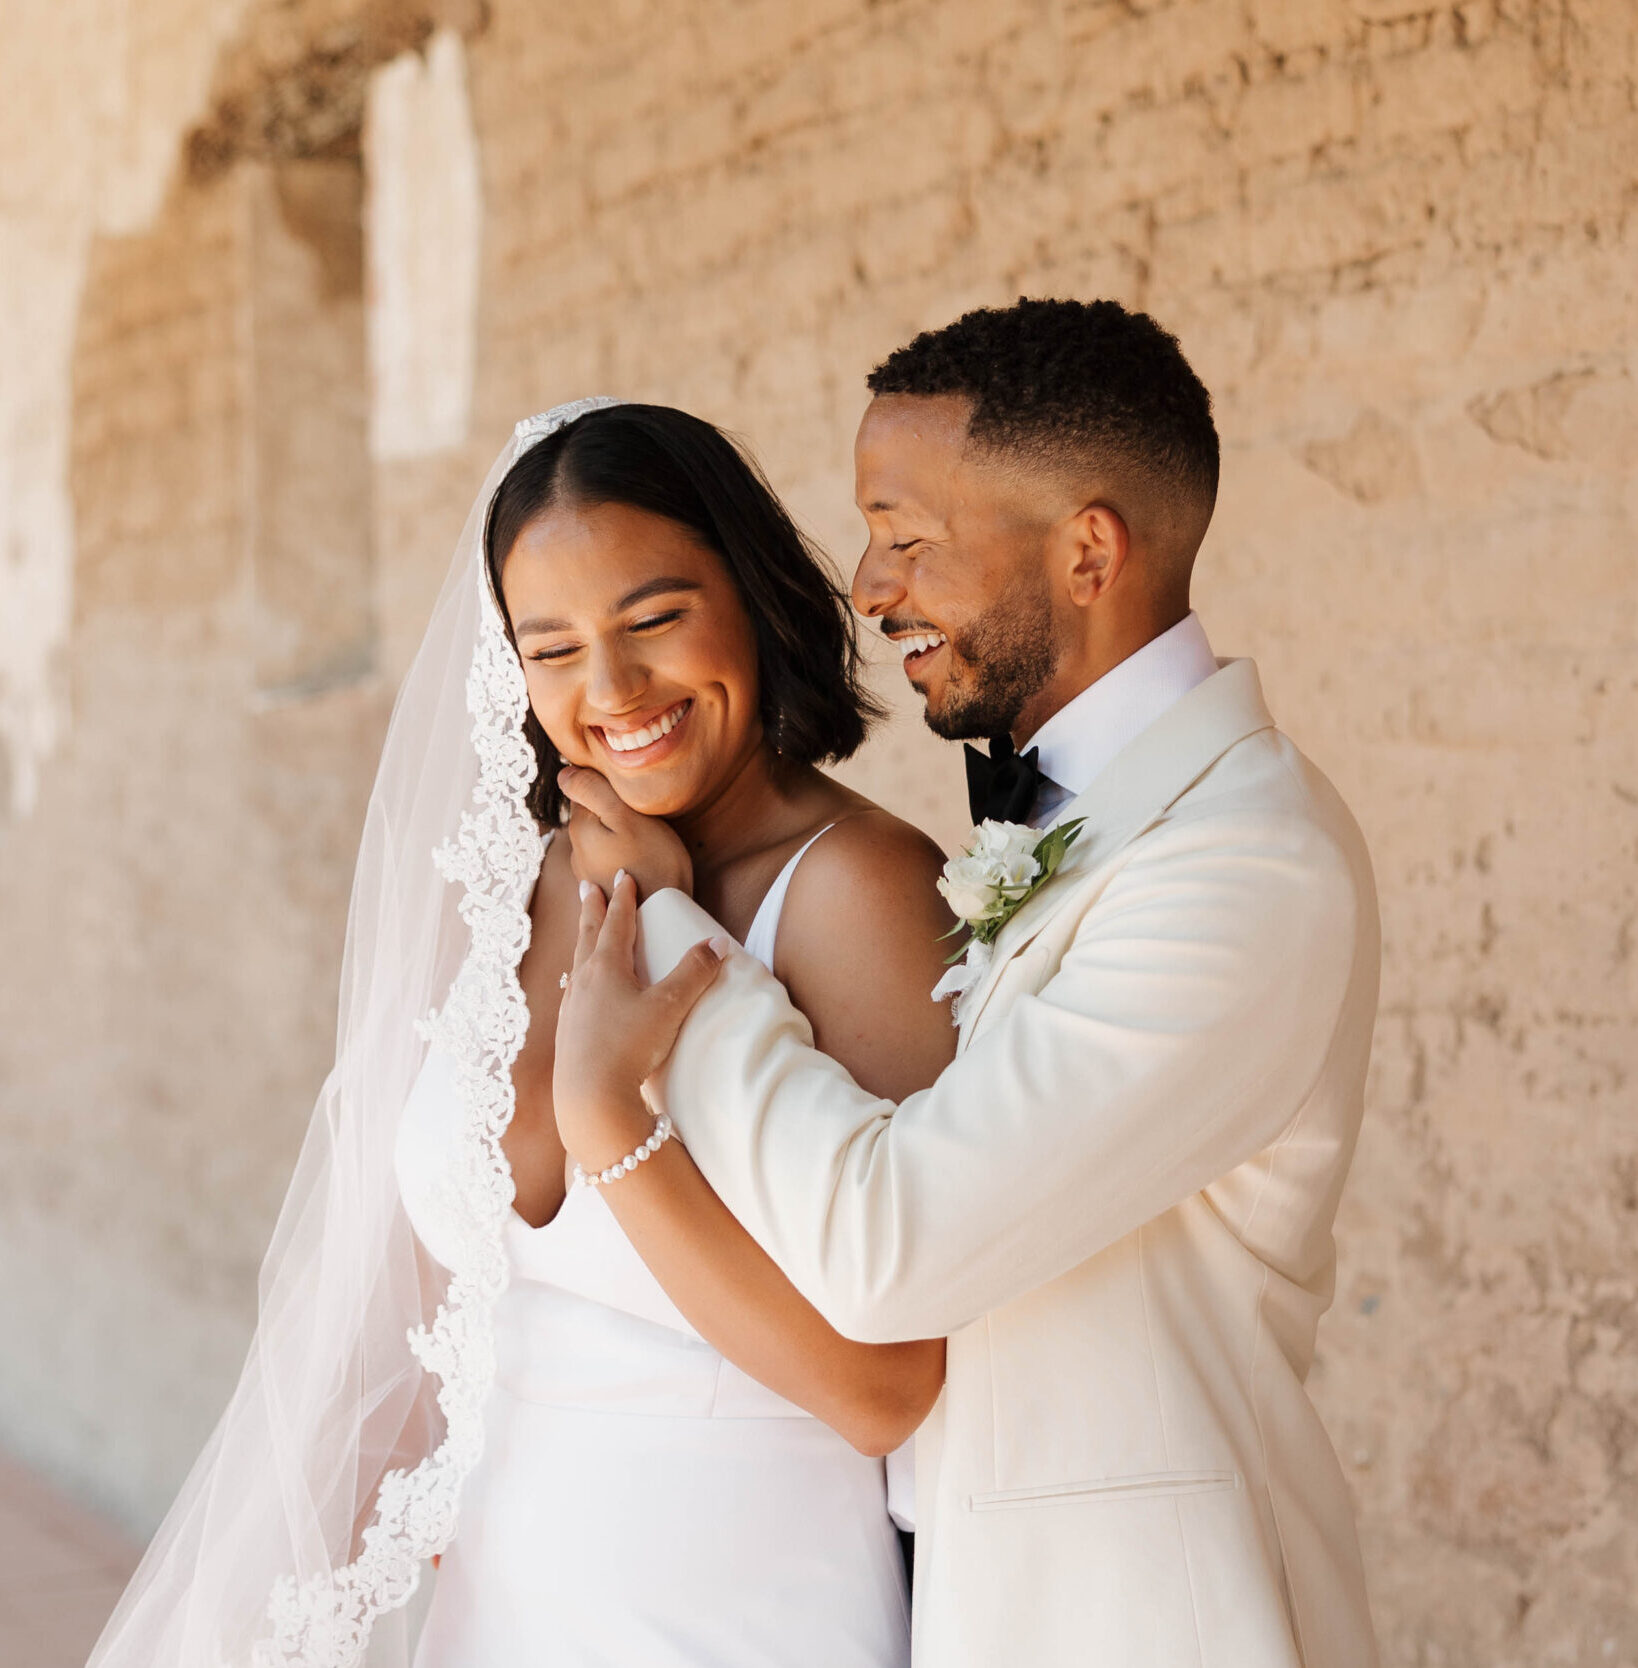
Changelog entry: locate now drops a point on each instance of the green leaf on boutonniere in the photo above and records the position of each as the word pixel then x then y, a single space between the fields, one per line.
pixel 960 949
pixel 1050 853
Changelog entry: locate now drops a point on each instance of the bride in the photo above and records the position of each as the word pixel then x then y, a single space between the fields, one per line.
pixel 652 1454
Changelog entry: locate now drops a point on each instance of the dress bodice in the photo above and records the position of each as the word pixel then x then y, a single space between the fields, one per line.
pixel 613 1430
pixel 583 1321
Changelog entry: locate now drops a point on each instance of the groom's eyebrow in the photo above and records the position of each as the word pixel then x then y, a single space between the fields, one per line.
pixel 641 593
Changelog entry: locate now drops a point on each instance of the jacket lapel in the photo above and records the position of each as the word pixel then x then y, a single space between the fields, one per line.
pixel 1137 786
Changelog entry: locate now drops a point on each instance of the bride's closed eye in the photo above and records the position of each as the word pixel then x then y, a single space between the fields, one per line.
pixel 652 622
pixel 648 623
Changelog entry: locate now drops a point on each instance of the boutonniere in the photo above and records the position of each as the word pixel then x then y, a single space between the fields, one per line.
pixel 1002 866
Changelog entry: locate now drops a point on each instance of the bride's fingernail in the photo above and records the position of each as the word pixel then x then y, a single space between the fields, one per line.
pixel 619 875
pixel 721 945
pixel 585 890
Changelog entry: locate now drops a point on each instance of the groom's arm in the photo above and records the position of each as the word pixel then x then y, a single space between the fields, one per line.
pixel 1182 1033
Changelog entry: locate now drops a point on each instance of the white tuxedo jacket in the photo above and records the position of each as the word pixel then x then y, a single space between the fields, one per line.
pixel 1117 1204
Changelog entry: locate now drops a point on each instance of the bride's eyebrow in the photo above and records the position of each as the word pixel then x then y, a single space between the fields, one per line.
pixel 649 588
pixel 655 588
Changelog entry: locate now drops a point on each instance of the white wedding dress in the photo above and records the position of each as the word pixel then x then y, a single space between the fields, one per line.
pixel 640 1502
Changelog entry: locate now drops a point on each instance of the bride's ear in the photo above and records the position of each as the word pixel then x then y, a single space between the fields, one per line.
pixel 1093 547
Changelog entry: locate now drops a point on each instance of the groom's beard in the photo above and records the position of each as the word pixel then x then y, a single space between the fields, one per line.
pixel 1000 661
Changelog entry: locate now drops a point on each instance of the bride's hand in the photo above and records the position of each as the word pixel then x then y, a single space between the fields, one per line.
pixel 606 836
pixel 613 1033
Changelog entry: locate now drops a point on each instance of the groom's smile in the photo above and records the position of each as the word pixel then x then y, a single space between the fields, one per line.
pixel 918 644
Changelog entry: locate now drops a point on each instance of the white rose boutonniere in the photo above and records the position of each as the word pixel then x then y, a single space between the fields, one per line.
pixel 1002 866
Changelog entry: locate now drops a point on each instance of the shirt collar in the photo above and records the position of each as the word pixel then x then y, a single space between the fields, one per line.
pixel 1080 738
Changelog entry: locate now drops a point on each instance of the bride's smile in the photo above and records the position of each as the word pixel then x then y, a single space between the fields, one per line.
pixel 640 744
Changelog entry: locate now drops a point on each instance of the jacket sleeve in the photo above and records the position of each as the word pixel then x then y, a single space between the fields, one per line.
pixel 1182 1032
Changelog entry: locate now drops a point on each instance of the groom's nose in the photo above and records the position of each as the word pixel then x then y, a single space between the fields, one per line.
pixel 878 581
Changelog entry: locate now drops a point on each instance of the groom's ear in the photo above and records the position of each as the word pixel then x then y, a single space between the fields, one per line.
pixel 1094 544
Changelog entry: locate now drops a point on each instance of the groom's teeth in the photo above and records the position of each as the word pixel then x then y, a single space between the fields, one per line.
pixel 920 643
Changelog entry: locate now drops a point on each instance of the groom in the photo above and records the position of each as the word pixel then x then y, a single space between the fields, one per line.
pixel 1117 1201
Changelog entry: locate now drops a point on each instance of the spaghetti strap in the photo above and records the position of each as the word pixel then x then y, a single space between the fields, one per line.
pixel 764 933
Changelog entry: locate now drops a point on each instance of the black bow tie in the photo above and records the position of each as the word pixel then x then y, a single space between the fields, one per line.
pixel 1004 785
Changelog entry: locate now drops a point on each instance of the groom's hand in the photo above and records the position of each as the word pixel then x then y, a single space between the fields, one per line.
pixel 606 836
pixel 612 1032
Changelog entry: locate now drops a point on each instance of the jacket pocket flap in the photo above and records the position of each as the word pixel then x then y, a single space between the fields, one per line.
pixel 1137 1487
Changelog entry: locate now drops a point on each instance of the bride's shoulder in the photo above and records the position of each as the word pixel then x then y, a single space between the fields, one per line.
pixel 860 946
pixel 872 869
pixel 870 838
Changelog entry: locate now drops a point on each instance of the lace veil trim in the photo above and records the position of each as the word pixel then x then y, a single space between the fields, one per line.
pixel 325 1621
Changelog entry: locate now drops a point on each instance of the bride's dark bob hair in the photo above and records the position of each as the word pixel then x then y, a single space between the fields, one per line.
pixel 814 704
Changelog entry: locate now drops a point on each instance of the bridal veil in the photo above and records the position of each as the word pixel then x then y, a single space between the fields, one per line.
pixel 336 1471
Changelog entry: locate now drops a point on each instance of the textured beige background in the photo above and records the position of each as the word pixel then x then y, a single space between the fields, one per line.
pixel 1398 240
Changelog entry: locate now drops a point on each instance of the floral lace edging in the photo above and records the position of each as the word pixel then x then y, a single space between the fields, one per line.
pixel 325 1621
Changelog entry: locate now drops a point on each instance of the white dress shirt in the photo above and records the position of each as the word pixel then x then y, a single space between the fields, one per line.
pixel 1079 739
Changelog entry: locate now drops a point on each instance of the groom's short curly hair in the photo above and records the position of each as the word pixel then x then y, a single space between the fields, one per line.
pixel 1067 384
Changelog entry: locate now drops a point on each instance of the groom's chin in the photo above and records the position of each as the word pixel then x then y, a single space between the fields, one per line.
pixel 952 726
pixel 957 705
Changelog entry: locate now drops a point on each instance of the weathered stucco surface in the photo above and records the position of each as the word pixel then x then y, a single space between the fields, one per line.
pixel 1397 239
pixel 91 92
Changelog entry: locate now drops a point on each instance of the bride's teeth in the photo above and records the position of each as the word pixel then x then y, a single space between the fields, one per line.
pixel 630 740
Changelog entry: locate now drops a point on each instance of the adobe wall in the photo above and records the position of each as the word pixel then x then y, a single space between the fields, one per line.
pixel 251 383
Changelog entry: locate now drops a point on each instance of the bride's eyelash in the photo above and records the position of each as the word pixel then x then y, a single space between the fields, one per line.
pixel 648 622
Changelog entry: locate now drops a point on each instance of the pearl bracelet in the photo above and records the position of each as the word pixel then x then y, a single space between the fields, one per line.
pixel 663 1130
